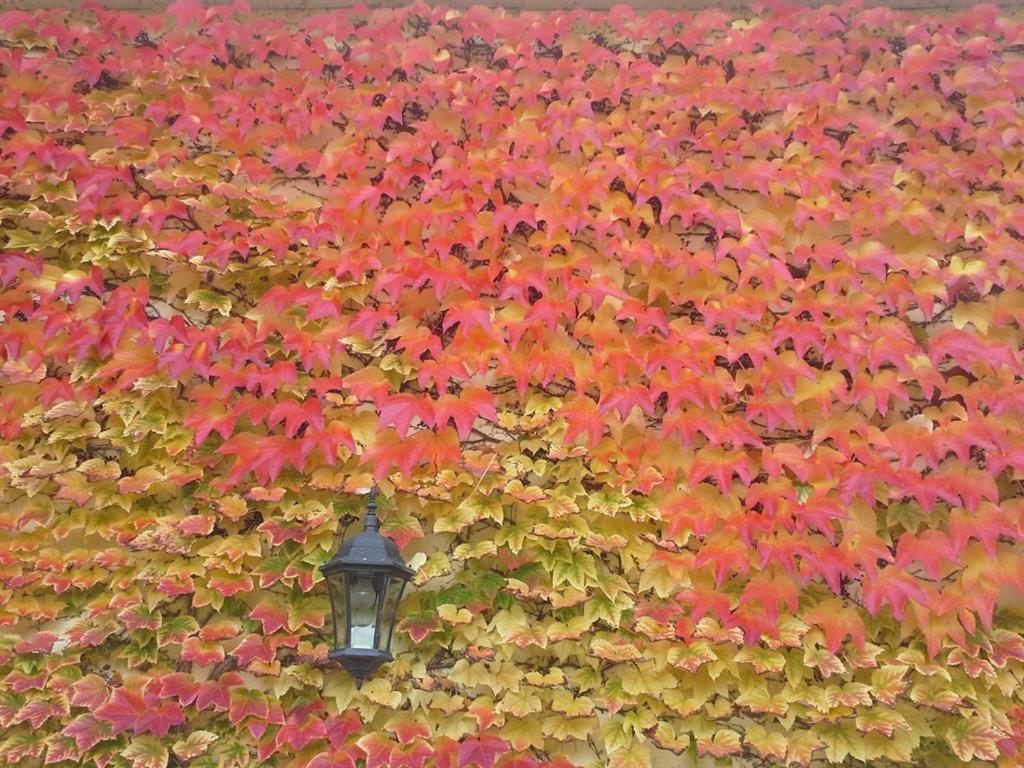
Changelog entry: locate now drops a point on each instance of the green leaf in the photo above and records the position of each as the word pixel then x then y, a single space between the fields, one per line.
pixel 210 301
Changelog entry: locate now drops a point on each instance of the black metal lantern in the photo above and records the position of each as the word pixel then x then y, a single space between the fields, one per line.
pixel 365 578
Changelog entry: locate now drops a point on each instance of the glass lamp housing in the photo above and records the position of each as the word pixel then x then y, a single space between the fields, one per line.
pixel 365 580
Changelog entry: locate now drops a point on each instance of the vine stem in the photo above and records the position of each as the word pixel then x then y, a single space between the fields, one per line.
pixel 488 469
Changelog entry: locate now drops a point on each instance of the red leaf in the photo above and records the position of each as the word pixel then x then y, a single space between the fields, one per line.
pixel 272 613
pixel 333 758
pixel 340 727
pixel 216 693
pixel 368 384
pixel 247 703
pixel 408 730
pixel 37 711
pixel 87 731
pixel 297 732
pixel 40 642
pixel 581 414
pixel 253 648
pixel 377 749
pixel 411 755
pixel 403 409
pixel 931 549
pixel 482 751
pixel 180 686
pixel 201 652
pixel 419 626
pixel 196 525
pixel 263 455
pixel 771 594
pixel 90 692
pixel 837 622
pixel 464 409
pixel 129 710
pixel 893 587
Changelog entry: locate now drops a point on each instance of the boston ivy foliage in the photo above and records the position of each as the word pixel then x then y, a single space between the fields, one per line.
pixel 684 348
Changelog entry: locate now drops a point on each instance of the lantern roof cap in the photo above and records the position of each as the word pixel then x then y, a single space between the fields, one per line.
pixel 368 550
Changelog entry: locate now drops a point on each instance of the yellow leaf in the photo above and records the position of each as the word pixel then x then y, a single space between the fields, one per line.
pixel 637 755
pixel 475 550
pixel 692 655
pixel 842 740
pixel 454 615
pixel 767 743
pixel 519 704
pixel 456 726
pixel 974 738
pixel 960 268
pixel 146 752
pixel 571 706
pixel 802 745
pixel 759 701
pixel 658 578
pixel 469 511
pixel 824 661
pixel 881 720
pixel 613 650
pixel 197 743
pixel 646 678
pixel 666 738
pixel 822 386
pixel 510 621
pixel 379 691
pixel 432 567
pixel 724 742
pixel 552 677
pixel 761 659
pixel 887 682
pixel 523 733
pixel 651 629
pixel 976 313
pixel 470 674
pixel 683 703
pixel 568 728
pixel 210 301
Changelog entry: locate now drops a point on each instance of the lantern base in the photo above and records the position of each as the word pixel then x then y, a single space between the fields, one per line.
pixel 361 663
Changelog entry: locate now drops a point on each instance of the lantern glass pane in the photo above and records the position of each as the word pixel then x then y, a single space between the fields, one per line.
pixel 364 592
pixel 336 589
pixel 392 597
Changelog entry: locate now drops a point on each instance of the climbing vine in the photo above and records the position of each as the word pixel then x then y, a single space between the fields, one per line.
pixel 685 349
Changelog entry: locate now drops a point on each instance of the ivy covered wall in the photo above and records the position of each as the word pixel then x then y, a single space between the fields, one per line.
pixel 685 349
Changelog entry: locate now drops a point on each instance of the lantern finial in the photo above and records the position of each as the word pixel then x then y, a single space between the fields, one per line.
pixel 372 523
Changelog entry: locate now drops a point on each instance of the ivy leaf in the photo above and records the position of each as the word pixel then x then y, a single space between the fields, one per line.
pixel 197 743
pixel 841 741
pixel 802 745
pixel 128 710
pixel 770 744
pixel 722 743
pixel 973 739
pixel 87 731
pixel 482 751
pixel 636 756
pixel 90 691
pixel 880 720
pixel 146 752
pixel 246 703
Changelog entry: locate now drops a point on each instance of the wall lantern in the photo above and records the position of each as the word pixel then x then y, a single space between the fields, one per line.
pixel 365 578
